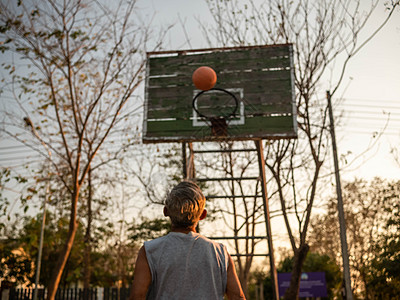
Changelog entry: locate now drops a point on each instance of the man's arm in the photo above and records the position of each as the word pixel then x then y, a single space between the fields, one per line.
pixel 233 288
pixel 142 277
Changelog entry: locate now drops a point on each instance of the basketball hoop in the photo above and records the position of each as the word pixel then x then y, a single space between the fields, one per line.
pixel 218 124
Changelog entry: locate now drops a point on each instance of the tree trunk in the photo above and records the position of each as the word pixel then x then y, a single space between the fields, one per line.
pixel 62 259
pixel 299 257
pixel 243 282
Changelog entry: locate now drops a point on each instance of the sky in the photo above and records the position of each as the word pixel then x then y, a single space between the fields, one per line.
pixel 373 103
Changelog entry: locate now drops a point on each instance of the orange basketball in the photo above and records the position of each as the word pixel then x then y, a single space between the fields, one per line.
pixel 204 78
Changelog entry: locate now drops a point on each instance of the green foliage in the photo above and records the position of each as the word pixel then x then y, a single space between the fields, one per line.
pixel 324 263
pixel 27 238
pixel 370 212
pixel 256 279
pixel 148 229
pixel 4 203
pixel 15 265
pixel 384 270
pixel 114 265
pixel 9 177
pixel 19 248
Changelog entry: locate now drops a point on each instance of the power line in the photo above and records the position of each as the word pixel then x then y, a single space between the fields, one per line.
pixel 11 147
pixel 368 119
pixel 397 101
pixel 376 132
pixel 366 105
pixel 18 158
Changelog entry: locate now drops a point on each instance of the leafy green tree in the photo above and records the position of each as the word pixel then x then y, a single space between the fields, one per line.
pixel 112 263
pixel 384 269
pixel 15 265
pixel 368 209
pixel 25 238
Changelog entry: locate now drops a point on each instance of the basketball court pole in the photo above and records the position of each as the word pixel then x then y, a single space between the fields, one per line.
pixel 261 163
pixel 188 162
pixel 190 166
pixel 184 161
pixel 342 222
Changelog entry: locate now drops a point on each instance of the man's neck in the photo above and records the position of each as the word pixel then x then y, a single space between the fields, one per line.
pixel 183 230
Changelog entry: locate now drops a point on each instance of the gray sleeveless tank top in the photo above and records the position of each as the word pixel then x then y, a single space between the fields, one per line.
pixel 186 266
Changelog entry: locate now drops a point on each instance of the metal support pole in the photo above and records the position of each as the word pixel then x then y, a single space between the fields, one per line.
pixel 184 161
pixel 39 257
pixel 188 162
pixel 261 163
pixel 342 222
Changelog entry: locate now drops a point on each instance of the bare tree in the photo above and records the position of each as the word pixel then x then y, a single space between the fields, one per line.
pixel 243 215
pixel 85 61
pixel 322 32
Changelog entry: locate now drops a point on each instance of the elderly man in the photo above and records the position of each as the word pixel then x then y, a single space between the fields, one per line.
pixel 184 264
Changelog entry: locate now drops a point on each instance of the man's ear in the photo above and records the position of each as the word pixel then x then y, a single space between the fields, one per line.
pixel 203 214
pixel 166 213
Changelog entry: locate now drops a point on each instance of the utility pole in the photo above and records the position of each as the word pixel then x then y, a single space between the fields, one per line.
pixel 342 222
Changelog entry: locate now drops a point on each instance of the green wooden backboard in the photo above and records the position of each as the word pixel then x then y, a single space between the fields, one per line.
pixel 261 78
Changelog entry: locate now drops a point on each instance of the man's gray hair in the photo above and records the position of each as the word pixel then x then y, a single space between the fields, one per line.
pixel 185 203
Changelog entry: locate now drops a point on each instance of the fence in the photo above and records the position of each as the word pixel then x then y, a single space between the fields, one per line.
pixel 73 294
